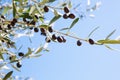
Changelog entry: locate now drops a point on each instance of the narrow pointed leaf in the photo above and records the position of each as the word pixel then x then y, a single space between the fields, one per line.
pixel 32 9
pixel 74 22
pixel 51 1
pixel 35 56
pixel 8 75
pixel 64 29
pixel 28 53
pixel 110 34
pixel 92 31
pixel 38 50
pixel 112 48
pixel 14 9
pixel 109 41
pixel 54 19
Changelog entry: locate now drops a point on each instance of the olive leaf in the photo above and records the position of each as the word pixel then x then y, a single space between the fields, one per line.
pixel 110 34
pixel 109 41
pixel 54 19
pixel 38 50
pixel 28 53
pixel 92 31
pixel 112 48
pixel 32 9
pixel 74 22
pixel 14 9
pixel 8 75
pixel 52 1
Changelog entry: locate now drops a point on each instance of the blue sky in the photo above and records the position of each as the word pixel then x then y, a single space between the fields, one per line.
pixel 87 62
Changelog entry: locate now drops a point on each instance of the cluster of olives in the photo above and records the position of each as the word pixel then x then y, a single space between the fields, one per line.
pixel 91 41
pixel 13 57
pixel 9 26
pixel 60 39
pixel 68 14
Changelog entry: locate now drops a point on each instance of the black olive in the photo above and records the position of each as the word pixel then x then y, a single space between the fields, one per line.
pixel 44 34
pixel 91 41
pixel 36 29
pixel 54 37
pixel 20 54
pixel 50 29
pixel 0 27
pixel 79 43
pixel 2 17
pixel 72 16
pixel 18 65
pixel 24 19
pixel 65 16
pixel 46 9
pixel 42 30
pixel 14 20
pixel 66 10
pixel 8 26
pixel 12 23
pixel 59 39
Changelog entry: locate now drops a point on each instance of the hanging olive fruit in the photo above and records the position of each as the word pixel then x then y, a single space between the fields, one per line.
pixel 71 15
pixel 91 41
pixel 46 9
pixel 66 10
pixel 36 29
pixel 79 43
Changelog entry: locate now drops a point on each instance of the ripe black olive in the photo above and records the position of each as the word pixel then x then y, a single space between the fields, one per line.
pixel 46 9
pixel 91 41
pixel 66 10
pixel 72 16
pixel 79 43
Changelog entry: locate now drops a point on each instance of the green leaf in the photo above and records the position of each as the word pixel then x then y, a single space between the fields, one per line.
pixel 92 31
pixel 26 15
pixel 54 19
pixel 55 12
pixel 110 34
pixel 74 22
pixel 32 9
pixel 46 1
pixel 38 50
pixel 64 29
pixel 69 4
pixel 112 48
pixel 52 1
pixel 28 53
pixel 1 56
pixel 14 9
pixel 8 75
pixel 109 41
pixel 109 47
